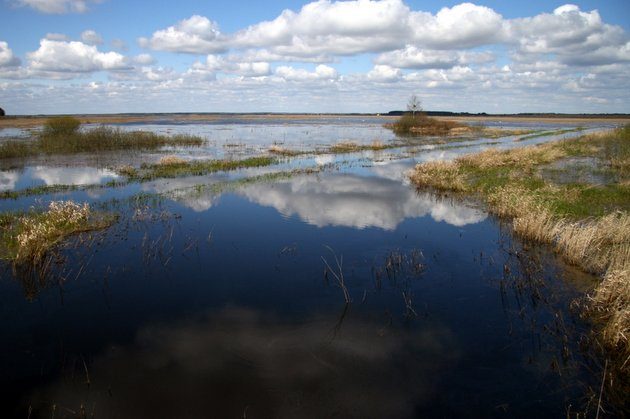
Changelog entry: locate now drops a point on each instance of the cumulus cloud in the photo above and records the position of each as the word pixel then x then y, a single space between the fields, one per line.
pixel 90 37
pixel 57 6
pixel 322 72
pixel 73 57
pixel 384 73
pixel 573 36
pixel 463 26
pixel 197 35
pixel 228 65
pixel 546 62
pixel 7 59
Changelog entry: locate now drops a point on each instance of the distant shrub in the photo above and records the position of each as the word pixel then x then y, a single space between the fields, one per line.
pixel 61 126
pixel 421 124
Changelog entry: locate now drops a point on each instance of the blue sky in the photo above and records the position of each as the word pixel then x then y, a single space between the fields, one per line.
pixel 108 56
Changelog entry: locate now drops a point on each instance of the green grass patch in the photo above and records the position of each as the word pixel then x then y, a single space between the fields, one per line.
pixel 63 136
pixel 195 168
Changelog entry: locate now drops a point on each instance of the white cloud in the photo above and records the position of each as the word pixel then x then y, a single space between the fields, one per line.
pixel 463 26
pixel 90 37
pixel 57 6
pixel 7 59
pixel 322 72
pixel 416 58
pixel 73 57
pixel 144 59
pixel 197 35
pixel 384 73
pixel 229 65
pixel 573 36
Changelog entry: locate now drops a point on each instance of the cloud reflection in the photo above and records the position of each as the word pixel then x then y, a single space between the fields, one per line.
pixel 8 180
pixel 71 175
pixel 356 201
pixel 240 360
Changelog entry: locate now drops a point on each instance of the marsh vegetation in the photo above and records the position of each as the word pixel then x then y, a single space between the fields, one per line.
pixel 63 135
pixel 135 245
pixel 588 224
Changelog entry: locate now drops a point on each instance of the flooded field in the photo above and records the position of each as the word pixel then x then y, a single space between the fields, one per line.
pixel 320 285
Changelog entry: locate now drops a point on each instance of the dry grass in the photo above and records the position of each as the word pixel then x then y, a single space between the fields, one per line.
pixel 507 181
pixel 26 239
pixel 282 151
pixel 441 175
pixel 171 161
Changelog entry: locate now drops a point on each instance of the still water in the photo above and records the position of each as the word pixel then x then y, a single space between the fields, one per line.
pixel 225 302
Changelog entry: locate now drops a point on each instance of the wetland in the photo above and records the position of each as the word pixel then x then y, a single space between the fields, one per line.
pixel 276 266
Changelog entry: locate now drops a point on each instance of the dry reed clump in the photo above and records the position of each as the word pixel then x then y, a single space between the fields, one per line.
pixel 171 161
pixel 441 175
pixel 610 303
pixel 519 157
pixel 36 234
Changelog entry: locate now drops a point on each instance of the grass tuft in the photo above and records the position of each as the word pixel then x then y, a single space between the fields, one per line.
pixel 27 238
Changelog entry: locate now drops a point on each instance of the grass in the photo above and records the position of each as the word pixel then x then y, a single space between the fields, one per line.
pixel 63 136
pixel 589 225
pixel 175 167
pixel 25 239
pixel 548 133
pixel 420 124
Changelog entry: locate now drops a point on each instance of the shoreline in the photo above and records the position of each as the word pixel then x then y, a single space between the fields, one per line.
pixel 24 121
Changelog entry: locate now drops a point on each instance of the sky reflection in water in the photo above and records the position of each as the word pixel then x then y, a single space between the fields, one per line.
pixel 216 302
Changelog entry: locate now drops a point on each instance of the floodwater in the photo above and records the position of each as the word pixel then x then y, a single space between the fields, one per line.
pixel 220 296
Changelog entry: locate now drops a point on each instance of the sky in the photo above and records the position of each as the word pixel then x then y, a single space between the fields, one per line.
pixel 494 56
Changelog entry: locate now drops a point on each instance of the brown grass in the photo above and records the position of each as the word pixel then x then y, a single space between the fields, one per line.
pixel 601 245
pixel 171 161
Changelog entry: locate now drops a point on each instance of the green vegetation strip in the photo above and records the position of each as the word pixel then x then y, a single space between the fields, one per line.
pixel 63 136
pixel 170 168
pixel 588 224
pixel 548 133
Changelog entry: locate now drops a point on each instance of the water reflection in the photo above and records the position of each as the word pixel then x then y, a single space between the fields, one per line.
pixel 246 363
pixel 46 175
pixel 70 175
pixel 8 180
pixel 356 201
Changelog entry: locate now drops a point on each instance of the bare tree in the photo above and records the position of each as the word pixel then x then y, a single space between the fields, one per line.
pixel 414 105
pixel 1 112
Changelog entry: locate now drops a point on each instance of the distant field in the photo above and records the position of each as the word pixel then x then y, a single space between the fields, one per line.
pixel 34 121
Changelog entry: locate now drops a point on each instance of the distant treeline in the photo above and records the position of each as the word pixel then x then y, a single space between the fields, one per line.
pixel 517 115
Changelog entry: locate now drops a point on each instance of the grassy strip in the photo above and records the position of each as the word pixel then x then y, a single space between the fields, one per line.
pixel 170 168
pixel 27 238
pixel 548 133
pixel 110 139
pixel 62 136
pixel 589 225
